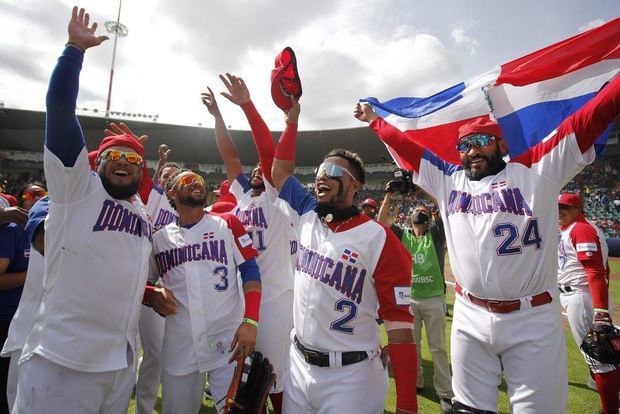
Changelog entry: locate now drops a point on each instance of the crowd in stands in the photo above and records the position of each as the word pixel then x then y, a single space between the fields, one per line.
pixel 598 184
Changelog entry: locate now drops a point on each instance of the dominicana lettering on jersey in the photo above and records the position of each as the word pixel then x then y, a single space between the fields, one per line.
pixel 344 277
pixel 115 217
pixel 506 200
pixel 254 217
pixel 212 250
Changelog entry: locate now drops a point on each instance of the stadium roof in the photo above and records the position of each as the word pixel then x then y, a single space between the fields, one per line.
pixel 22 130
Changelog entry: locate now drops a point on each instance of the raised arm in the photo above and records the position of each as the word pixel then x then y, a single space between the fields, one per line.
pixel 593 118
pixel 408 150
pixel 63 135
pixel 383 215
pixel 227 149
pixel 239 94
pixel 284 160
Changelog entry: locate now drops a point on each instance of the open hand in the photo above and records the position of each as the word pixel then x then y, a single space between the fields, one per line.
pixel 208 100
pixel 244 341
pixel 163 153
pixel 123 129
pixel 238 92
pixel 79 32
pixel 364 112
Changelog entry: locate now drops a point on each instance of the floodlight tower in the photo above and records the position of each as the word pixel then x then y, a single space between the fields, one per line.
pixel 119 30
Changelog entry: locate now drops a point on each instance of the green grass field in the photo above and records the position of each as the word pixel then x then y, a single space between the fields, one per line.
pixel 581 400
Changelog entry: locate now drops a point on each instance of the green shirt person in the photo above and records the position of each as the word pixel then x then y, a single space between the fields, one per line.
pixel 426 242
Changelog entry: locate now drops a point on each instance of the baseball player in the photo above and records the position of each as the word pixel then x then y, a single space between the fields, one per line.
pixel 197 258
pixel 501 226
pixel 370 208
pixel 151 324
pixel 14 253
pixel 79 356
pixel 583 279
pixel 350 271
pixel 22 321
pixel 270 229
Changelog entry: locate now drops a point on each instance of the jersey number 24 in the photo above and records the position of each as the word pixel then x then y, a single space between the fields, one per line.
pixel 510 233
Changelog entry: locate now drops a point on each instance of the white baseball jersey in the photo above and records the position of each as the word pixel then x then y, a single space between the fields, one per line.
pixel 22 321
pixel 581 240
pixel 159 209
pixel 344 273
pixel 271 234
pixel 199 265
pixel 513 213
pixel 97 252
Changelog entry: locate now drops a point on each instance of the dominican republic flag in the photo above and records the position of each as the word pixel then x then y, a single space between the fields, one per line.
pixel 208 236
pixel 529 97
pixel 350 256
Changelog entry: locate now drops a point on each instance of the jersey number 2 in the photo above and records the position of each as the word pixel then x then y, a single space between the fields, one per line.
pixel 340 325
pixel 510 232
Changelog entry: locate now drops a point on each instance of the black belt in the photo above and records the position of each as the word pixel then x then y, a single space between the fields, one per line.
pixel 321 359
pixel 565 289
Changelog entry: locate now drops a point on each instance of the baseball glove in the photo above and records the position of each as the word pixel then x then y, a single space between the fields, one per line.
pixel 603 345
pixel 250 386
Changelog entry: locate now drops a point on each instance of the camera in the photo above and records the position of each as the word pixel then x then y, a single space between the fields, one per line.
pixel 402 183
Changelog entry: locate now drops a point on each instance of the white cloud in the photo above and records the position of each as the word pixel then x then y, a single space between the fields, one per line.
pixel 462 39
pixel 591 25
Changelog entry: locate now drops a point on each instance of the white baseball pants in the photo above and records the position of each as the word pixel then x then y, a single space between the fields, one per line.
pixel 527 346
pixel 182 394
pixel 46 387
pixel 151 337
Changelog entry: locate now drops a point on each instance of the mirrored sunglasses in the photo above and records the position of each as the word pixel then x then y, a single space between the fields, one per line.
pixel 115 155
pixel 479 141
pixel 189 179
pixel 332 170
pixel 31 195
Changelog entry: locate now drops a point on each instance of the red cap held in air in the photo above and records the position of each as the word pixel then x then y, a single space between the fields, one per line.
pixel 285 80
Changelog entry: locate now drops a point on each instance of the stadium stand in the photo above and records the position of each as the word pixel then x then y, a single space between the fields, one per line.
pixel 21 158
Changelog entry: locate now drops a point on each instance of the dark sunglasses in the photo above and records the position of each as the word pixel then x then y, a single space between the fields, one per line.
pixel 479 141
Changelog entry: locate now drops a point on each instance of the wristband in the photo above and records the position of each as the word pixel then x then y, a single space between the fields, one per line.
pixel 148 291
pixel 404 367
pixel 75 46
pixel 251 322
pixel 252 305
pixel 286 146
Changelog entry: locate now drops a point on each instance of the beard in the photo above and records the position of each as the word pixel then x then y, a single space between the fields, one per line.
pixel 257 187
pixel 494 165
pixel 120 192
pixel 190 201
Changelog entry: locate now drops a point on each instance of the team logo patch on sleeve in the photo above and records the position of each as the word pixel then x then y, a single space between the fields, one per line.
pixel 244 240
pixel 586 247
pixel 350 256
pixel 402 294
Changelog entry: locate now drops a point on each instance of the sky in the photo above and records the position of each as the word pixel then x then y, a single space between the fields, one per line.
pixel 345 50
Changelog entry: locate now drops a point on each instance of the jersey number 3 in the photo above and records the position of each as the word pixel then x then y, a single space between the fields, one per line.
pixel 510 233
pixel 340 325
